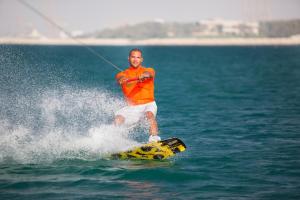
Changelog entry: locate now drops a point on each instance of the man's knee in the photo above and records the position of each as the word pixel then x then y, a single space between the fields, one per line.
pixel 119 120
pixel 150 115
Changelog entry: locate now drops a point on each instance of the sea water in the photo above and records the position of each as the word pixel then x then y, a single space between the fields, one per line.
pixel 236 108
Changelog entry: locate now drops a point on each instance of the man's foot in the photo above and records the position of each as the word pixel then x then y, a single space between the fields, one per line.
pixel 154 138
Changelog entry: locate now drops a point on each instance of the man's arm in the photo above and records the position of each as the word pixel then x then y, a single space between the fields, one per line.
pixel 121 78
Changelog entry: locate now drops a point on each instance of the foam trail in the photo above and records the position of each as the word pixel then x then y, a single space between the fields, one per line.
pixel 62 124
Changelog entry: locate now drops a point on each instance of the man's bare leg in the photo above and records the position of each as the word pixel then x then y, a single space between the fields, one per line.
pixel 153 124
pixel 119 120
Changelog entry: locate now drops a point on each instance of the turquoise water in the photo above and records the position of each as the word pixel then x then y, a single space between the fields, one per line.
pixel 236 108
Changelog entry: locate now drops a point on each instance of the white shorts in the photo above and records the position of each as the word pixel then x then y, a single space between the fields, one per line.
pixel 133 114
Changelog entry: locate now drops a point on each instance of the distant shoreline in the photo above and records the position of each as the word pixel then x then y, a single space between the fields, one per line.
pixel 156 42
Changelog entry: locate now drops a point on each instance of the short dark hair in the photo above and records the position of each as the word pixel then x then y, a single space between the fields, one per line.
pixel 135 49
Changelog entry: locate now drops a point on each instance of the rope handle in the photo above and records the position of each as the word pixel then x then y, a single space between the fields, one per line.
pixel 132 79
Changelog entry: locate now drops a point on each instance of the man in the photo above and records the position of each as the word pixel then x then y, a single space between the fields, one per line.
pixel 137 83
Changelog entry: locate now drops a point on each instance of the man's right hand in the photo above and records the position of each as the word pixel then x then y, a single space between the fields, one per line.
pixel 123 80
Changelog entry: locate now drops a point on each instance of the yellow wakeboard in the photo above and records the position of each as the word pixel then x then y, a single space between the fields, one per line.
pixel 153 151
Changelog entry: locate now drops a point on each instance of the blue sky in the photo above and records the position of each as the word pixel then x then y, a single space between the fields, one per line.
pixel 91 15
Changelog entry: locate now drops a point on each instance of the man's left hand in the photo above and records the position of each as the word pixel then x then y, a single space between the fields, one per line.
pixel 144 76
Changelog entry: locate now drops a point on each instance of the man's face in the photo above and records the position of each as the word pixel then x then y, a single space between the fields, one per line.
pixel 135 59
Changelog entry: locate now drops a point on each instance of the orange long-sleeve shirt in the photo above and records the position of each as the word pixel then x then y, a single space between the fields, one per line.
pixel 137 92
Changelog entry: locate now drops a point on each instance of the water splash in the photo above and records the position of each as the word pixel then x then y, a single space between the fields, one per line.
pixel 62 124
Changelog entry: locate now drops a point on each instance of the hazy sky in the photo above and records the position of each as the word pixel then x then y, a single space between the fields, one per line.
pixel 91 15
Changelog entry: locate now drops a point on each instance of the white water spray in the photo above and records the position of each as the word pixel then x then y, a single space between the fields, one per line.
pixel 63 124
